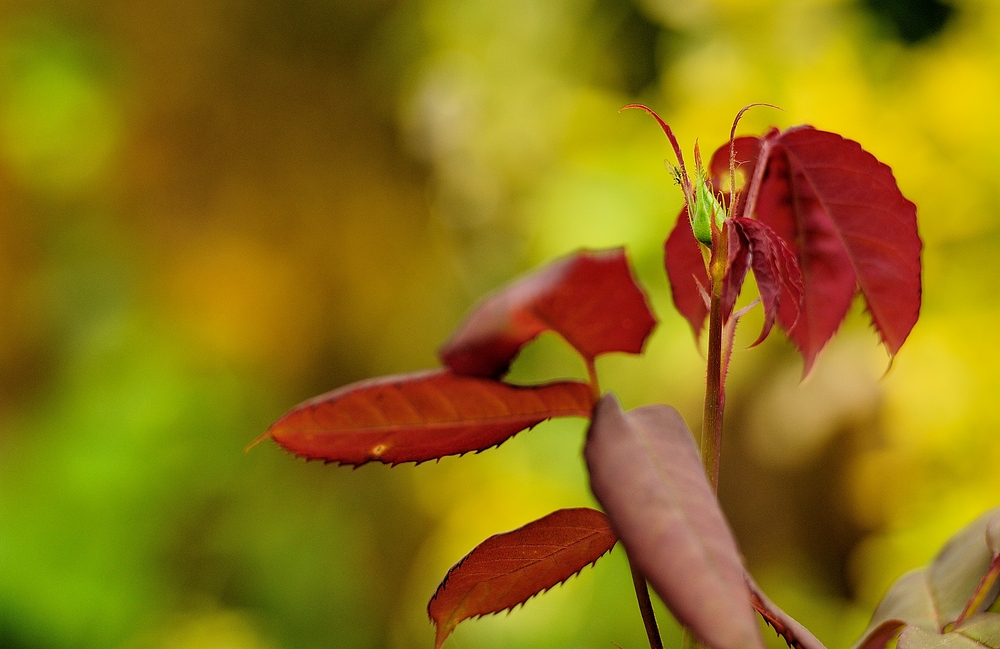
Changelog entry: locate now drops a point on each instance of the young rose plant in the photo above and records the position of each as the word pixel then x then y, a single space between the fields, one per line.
pixel 817 220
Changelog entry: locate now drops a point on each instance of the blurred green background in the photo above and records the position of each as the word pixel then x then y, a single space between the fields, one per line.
pixel 213 209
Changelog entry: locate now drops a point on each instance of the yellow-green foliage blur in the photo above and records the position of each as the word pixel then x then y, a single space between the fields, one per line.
pixel 211 210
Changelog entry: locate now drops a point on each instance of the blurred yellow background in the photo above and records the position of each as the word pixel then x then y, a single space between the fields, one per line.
pixel 211 210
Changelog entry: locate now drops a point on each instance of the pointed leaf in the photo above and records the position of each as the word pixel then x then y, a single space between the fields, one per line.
pixel 421 416
pixel 840 210
pixel 589 298
pixel 774 268
pixel 507 569
pixel 686 271
pixel 645 472
pixel 791 631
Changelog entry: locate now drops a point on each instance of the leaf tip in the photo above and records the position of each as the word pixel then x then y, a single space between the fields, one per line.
pixel 246 449
pixel 441 634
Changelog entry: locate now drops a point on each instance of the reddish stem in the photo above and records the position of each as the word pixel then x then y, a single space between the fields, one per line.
pixel 715 397
pixel 715 387
pixel 645 607
pixel 595 387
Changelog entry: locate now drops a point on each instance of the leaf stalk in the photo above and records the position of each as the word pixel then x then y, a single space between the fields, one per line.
pixel 645 607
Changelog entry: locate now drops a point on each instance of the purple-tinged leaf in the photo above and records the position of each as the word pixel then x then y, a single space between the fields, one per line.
pixel 645 472
pixel 508 569
pixel 421 416
pixel 958 583
pixel 958 569
pixel 791 631
pixel 589 298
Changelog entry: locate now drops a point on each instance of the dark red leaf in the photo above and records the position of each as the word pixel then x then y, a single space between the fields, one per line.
pixel 774 267
pixel 689 281
pixel 840 211
pixel 737 265
pixel 507 569
pixel 646 473
pixel 589 298
pixel 421 416
pixel 791 631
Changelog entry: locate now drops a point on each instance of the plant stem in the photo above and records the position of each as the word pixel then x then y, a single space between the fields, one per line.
pixel 595 387
pixel 715 396
pixel 645 607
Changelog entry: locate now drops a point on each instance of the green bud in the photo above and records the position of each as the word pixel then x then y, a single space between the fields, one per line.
pixel 706 208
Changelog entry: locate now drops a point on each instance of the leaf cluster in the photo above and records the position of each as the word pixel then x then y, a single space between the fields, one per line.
pixel 818 222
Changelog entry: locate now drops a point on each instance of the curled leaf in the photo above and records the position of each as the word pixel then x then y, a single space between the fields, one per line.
pixel 752 244
pixel 645 472
pixel 589 298
pixel 507 569
pixel 421 416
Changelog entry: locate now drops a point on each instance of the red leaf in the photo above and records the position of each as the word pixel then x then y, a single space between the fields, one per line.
pixel 686 271
pixel 421 416
pixel 840 211
pixel 507 569
pixel 645 472
pixel 589 298
pixel 737 265
pixel 791 631
pixel 774 268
